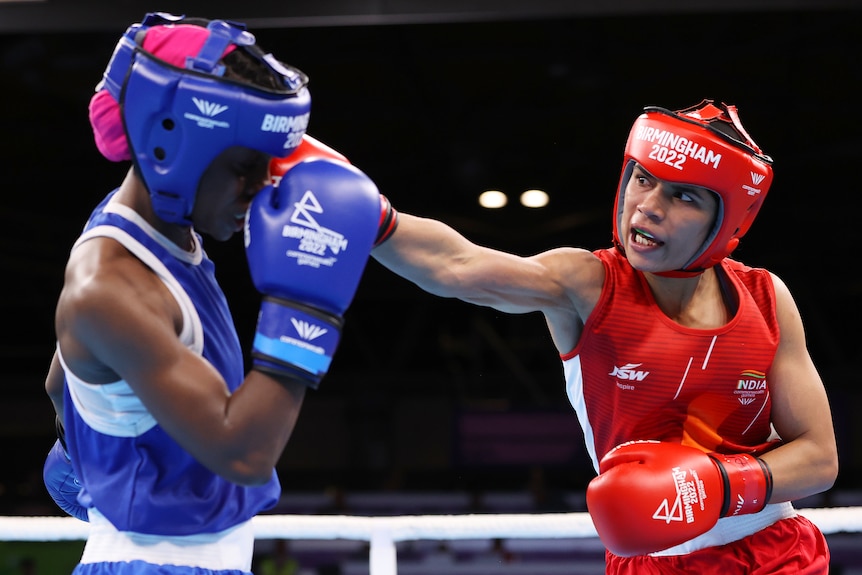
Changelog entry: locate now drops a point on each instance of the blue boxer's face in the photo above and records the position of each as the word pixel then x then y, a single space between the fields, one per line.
pixel 226 189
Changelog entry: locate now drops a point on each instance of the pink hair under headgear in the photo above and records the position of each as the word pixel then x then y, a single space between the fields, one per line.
pixel 171 43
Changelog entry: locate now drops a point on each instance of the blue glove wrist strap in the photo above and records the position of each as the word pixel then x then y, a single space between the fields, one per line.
pixel 295 339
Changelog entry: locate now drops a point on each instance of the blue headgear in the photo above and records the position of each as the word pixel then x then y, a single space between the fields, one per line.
pixel 177 120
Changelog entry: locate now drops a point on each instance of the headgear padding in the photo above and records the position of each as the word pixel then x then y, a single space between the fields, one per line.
pixel 704 146
pixel 171 44
pixel 164 103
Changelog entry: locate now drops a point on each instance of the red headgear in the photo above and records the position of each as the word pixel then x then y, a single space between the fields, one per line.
pixel 704 146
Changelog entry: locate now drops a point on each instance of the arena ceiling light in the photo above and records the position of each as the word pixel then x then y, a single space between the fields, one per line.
pixel 534 199
pixel 493 199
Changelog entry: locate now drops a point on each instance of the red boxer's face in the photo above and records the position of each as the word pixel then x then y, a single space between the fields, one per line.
pixel 664 223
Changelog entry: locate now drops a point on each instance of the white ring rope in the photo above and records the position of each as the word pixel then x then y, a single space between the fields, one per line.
pixel 403 527
pixel 383 532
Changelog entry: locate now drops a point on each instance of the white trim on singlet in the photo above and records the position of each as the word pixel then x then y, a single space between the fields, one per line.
pixel 195 256
pixel 110 408
pixel 575 390
pixel 231 549
pixel 730 529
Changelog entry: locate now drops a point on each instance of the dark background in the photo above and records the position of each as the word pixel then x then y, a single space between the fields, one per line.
pixel 438 101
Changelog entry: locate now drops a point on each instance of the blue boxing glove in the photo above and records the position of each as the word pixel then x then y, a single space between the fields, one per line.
pixel 60 479
pixel 307 242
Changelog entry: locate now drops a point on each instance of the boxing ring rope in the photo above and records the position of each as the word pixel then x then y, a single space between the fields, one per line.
pixel 383 532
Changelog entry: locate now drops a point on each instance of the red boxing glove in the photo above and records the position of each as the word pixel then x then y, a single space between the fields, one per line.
pixel 650 495
pixel 310 148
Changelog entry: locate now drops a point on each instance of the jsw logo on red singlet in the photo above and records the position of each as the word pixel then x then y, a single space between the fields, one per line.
pixel 629 373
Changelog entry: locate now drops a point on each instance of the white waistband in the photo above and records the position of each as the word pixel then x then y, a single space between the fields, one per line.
pixel 730 529
pixel 228 549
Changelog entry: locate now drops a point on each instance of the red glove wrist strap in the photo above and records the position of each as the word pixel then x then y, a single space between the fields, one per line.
pixel 388 221
pixel 747 483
